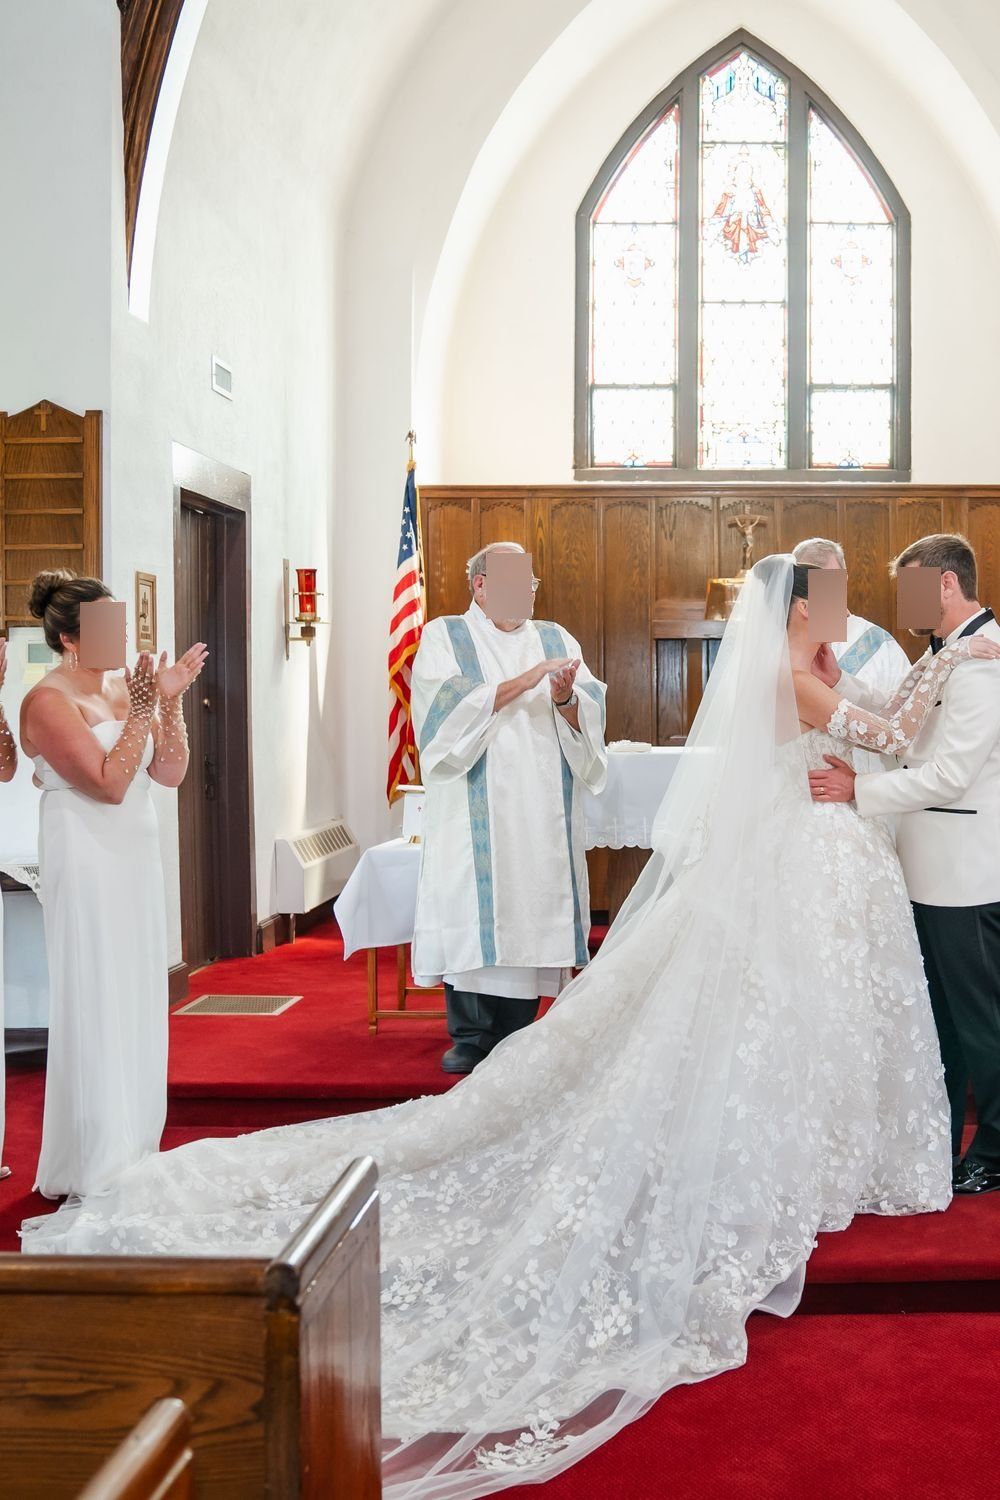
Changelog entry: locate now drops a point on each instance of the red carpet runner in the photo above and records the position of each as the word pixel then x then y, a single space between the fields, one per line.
pixel 860 1401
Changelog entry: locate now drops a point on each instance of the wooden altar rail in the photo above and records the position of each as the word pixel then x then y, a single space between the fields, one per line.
pixel 154 1462
pixel 277 1361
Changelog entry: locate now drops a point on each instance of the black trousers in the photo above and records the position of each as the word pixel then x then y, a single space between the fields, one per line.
pixel 484 1020
pixel 961 948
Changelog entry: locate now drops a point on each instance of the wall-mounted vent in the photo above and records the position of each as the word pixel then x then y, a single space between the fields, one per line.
pixel 222 377
pixel 313 866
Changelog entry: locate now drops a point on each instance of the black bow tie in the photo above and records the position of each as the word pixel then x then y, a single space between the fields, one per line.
pixel 936 644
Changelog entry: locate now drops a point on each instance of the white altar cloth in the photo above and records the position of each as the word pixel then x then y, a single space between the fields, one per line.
pixel 621 817
pixel 377 905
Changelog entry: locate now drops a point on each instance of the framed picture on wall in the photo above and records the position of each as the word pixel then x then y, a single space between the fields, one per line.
pixel 145 611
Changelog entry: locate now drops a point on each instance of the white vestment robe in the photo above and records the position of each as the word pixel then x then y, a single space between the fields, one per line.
pixel 503 903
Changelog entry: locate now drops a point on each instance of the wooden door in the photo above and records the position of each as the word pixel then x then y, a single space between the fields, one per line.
pixel 200 831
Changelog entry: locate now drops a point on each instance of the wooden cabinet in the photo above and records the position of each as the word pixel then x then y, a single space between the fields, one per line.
pixel 50 500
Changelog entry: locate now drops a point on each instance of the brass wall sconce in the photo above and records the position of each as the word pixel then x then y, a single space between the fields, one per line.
pixel 306 616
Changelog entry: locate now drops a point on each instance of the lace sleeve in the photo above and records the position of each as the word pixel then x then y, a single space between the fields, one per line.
pixel 905 689
pixel 903 716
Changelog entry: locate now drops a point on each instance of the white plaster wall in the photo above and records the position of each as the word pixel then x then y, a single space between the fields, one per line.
pixel 243 270
pixel 509 362
pixel 59 92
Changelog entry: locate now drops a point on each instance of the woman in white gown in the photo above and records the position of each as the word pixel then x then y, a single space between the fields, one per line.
pixel 8 766
pixel 97 740
pixel 591 1216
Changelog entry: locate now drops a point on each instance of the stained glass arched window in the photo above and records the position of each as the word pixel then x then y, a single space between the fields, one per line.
pixel 743 288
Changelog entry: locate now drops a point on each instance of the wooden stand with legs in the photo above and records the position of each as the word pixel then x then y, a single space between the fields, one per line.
pixel 403 991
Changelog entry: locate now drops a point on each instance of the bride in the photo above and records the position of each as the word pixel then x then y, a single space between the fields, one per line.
pixel 590 1217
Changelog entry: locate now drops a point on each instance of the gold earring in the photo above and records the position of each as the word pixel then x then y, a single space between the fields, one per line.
pixel 73 661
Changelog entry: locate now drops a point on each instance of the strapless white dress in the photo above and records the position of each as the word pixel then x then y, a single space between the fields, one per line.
pixel 105 935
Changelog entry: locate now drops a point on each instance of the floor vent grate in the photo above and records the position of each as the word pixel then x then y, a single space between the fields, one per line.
pixel 237 1005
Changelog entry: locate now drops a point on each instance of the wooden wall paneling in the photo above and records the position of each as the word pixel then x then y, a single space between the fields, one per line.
pixel 447 527
pixel 608 553
pixel 983 531
pixel 50 499
pixel 568 561
pixel 503 519
pixel 687 545
pixel 864 534
pixel 671 690
pixel 627 586
pixel 800 515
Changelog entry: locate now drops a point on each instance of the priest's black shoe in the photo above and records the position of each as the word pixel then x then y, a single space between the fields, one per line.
pixel 461 1058
pixel 973 1177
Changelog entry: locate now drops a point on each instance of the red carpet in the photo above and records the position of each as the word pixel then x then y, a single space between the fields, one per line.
pixel 861 1407
pixel 866 1408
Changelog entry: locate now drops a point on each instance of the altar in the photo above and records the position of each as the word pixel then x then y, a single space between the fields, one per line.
pixel 377 907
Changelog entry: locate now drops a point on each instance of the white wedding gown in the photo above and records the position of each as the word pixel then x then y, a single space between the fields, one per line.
pixel 591 1216
pixel 105 938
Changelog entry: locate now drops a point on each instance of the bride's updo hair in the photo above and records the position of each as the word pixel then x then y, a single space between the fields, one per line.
pixel 800 582
pixel 767 568
pixel 55 598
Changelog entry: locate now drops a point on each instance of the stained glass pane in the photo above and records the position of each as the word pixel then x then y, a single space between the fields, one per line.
pixel 850 429
pixel 840 190
pixel 742 404
pixel 850 304
pixel 645 188
pixel 744 231
pixel 742 100
pixel 634 311
pixel 632 428
pixel 744 267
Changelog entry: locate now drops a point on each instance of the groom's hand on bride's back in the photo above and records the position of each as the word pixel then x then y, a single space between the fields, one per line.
pixel 835 785
pixel 824 666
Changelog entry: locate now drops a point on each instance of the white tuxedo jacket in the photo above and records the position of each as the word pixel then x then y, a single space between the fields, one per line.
pixel 948 786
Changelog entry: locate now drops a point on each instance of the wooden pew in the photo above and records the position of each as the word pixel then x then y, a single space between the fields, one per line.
pixel 278 1362
pixel 155 1461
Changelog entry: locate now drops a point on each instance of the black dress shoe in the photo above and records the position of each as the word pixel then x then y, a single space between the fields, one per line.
pixel 973 1177
pixel 461 1058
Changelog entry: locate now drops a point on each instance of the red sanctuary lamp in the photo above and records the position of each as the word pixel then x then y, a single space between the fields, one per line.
pixel 307 613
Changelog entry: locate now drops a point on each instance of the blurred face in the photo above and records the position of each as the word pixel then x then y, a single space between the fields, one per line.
pixel 505 590
pixel 922 597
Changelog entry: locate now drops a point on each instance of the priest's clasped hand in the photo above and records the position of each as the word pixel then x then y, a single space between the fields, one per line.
pixel 562 680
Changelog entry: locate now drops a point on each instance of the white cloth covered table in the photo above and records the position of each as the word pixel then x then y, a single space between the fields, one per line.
pixel 377 905
pixel 621 816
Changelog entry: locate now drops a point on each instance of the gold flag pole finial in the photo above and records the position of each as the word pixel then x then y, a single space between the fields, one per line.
pixel 411 438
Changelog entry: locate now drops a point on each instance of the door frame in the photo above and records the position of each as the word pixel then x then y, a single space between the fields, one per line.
pixel 214 486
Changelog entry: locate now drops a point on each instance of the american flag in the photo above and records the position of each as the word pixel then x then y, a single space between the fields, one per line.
pixel 406 623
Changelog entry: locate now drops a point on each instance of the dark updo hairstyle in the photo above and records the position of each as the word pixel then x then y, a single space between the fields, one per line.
pixel 55 599
pixel 768 567
pixel 800 582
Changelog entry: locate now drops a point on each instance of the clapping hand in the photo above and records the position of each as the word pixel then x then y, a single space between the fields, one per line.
pixel 171 681
pixel 561 681
pixel 141 684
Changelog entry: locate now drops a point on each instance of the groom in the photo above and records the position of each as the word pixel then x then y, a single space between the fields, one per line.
pixel 949 847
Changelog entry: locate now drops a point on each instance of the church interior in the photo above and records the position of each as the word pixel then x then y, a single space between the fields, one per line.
pixel 276 269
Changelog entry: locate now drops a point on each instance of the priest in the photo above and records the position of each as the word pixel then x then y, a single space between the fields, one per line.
pixel 509 725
